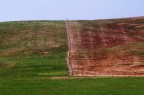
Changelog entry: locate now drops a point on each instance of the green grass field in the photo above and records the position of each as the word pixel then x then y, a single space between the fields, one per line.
pixel 47 75
pixel 26 68
pixel 86 86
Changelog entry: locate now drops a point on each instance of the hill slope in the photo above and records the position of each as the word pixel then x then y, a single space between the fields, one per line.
pixel 107 47
pixel 32 49
pixel 29 37
pixel 104 41
pixel 31 66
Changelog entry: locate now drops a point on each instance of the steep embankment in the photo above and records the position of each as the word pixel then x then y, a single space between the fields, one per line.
pixel 107 47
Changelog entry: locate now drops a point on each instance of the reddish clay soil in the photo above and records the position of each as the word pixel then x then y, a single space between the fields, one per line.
pixel 106 48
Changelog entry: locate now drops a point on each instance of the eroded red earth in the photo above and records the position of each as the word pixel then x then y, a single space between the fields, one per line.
pixel 106 47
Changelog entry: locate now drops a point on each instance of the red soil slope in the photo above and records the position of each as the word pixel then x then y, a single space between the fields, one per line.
pixel 106 47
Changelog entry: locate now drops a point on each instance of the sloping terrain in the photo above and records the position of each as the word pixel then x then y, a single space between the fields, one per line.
pixel 31 37
pixel 98 47
pixel 30 49
pixel 32 62
pixel 106 47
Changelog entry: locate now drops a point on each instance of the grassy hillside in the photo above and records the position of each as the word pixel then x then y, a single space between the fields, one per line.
pixel 31 37
pixel 30 49
pixel 32 62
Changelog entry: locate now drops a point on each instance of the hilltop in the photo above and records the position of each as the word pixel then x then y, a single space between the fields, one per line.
pixel 42 37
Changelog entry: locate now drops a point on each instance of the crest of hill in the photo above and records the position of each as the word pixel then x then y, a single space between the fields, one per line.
pixel 43 37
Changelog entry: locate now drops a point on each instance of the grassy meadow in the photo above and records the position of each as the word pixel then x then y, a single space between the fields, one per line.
pixel 33 62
